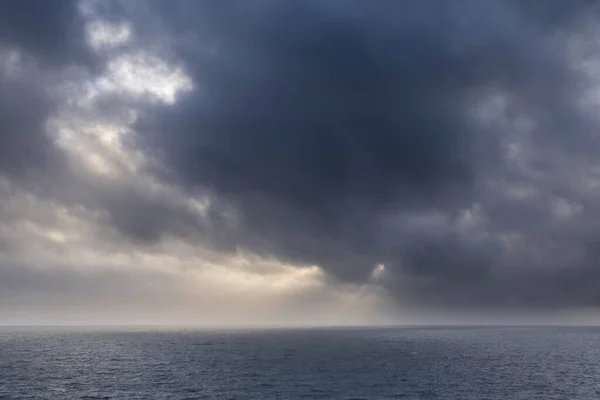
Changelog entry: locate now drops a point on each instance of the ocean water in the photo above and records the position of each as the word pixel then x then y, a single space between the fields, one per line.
pixel 403 363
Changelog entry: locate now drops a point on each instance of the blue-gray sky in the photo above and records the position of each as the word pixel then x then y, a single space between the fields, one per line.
pixel 323 161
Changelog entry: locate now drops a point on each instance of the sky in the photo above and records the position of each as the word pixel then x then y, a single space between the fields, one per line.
pixel 319 162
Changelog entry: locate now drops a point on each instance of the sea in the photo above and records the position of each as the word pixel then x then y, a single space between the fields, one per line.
pixel 320 363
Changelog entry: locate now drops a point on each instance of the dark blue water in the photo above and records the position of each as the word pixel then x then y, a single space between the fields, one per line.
pixel 408 363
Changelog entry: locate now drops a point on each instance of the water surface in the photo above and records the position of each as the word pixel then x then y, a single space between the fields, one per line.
pixel 398 363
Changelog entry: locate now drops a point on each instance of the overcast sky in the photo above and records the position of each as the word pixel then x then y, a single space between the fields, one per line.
pixel 299 162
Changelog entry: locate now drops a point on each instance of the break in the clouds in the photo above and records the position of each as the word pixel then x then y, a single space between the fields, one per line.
pixel 322 161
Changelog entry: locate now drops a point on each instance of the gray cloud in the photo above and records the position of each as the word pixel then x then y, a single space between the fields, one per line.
pixel 42 46
pixel 37 40
pixel 316 121
pixel 51 31
pixel 447 140
pixel 23 143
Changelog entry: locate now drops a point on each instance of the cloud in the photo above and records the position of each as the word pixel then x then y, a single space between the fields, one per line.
pixel 50 31
pixel 23 144
pixel 330 152
pixel 319 123
pixel 39 43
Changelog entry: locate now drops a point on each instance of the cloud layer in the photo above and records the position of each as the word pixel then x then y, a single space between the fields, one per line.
pixel 453 144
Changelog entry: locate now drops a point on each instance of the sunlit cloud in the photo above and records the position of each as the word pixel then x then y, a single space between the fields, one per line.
pixel 104 35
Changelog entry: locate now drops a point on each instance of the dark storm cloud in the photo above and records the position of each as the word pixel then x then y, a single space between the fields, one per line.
pixel 23 143
pixel 316 121
pixel 344 134
pixel 312 119
pixel 51 31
